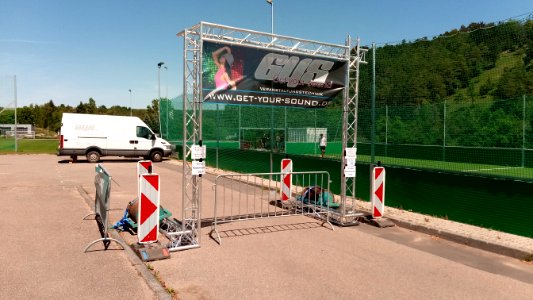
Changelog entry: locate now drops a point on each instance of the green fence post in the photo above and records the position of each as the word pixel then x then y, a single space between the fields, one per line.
pixel 444 133
pixel 523 130
pixel 373 112
pixel 285 134
pixel 316 141
pixel 239 133
pixel 387 130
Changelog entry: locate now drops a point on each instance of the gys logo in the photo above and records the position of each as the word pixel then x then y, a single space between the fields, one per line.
pixel 293 71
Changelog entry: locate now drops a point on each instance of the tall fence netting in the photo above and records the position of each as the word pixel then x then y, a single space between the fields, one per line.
pixel 459 102
pixel 7 113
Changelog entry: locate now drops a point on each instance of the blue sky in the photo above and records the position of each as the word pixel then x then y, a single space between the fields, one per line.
pixel 68 50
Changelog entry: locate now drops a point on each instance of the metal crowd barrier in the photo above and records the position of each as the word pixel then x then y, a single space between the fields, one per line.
pixel 242 197
pixel 102 182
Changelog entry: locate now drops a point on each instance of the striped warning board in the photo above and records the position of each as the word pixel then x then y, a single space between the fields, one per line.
pixel 144 167
pixel 378 192
pixel 286 179
pixel 148 217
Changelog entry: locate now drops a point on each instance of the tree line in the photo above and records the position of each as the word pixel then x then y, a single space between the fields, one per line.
pixel 48 115
pixel 481 73
pixel 476 62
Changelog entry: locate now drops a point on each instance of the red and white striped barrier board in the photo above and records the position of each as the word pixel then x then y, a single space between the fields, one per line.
pixel 148 217
pixel 286 179
pixel 144 167
pixel 378 192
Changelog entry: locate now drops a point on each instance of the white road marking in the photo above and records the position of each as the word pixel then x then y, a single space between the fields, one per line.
pixel 490 169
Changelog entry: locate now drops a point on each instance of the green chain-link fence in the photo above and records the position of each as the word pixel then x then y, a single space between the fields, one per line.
pixel 491 137
pixel 487 137
pixel 454 105
pixel 459 102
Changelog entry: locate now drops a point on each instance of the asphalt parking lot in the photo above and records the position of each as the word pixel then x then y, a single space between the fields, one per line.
pixel 285 258
pixel 44 237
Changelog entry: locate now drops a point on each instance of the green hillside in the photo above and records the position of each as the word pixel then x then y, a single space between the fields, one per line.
pixel 483 86
pixel 468 87
pixel 481 61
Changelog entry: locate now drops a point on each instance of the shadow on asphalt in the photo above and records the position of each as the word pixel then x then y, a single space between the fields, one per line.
pixel 105 250
pixel 103 160
pixel 233 233
pixel 456 252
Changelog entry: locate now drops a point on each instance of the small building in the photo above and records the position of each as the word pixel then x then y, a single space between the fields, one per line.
pixel 23 130
pixel 306 135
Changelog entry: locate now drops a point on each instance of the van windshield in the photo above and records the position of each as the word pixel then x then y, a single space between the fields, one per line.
pixel 144 132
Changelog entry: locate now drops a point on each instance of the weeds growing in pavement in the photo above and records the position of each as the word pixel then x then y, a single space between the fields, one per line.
pixel 157 276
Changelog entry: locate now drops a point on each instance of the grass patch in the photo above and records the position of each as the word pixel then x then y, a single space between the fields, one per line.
pixel 480 169
pixel 46 146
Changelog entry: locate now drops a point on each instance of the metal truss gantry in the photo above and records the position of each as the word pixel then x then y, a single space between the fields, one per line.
pixel 348 212
pixel 189 235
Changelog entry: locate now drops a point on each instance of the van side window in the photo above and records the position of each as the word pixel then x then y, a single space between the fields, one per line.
pixel 143 132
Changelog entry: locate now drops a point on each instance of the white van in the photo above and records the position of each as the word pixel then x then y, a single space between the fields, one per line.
pixel 100 135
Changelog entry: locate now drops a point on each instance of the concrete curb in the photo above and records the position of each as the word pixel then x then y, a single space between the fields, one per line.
pixel 456 238
pixel 151 281
pixel 461 239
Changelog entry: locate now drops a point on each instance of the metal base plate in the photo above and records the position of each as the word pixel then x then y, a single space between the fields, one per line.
pixel 150 252
pixel 381 223
pixel 351 218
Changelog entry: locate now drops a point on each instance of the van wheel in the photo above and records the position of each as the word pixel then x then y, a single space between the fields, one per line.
pixel 93 156
pixel 156 156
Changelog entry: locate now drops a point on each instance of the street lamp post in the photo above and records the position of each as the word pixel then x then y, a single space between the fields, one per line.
pixel 131 104
pixel 166 82
pixel 271 2
pixel 166 99
pixel 159 92
pixel 159 79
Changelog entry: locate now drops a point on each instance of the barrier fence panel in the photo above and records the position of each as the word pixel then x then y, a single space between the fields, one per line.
pixel 243 197
pixel 102 182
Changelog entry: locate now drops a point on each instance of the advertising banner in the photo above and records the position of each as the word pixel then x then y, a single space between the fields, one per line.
pixel 255 76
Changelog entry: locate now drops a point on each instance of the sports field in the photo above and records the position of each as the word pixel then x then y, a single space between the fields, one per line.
pixel 484 169
pixel 29 146
pixel 334 150
pixel 492 170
